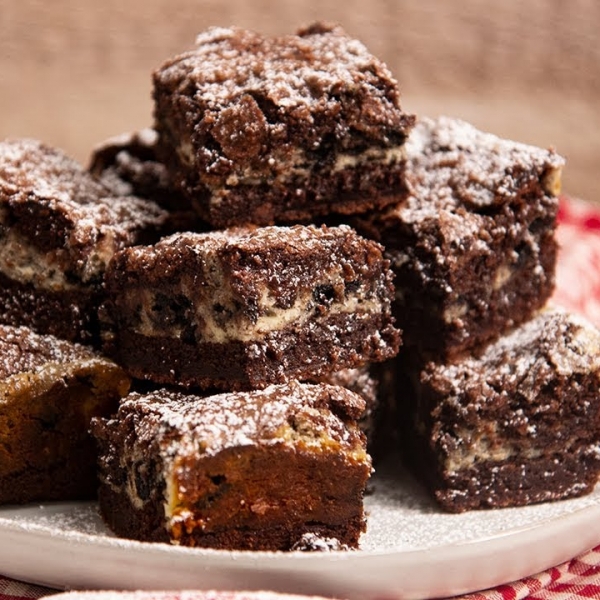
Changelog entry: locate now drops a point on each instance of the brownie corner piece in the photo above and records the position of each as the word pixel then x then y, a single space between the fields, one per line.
pixel 517 425
pixel 49 391
pixel 263 130
pixel 251 470
pixel 59 228
pixel 128 164
pixel 473 247
pixel 247 307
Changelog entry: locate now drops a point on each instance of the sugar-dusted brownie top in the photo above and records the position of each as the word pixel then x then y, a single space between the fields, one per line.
pixel 22 350
pixel 304 90
pixel 312 417
pixel 451 164
pixel 243 110
pixel 459 175
pixel 554 344
pixel 57 221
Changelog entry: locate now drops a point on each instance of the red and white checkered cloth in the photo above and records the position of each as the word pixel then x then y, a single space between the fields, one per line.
pixel 578 268
pixel 15 590
pixel 574 580
pixel 578 289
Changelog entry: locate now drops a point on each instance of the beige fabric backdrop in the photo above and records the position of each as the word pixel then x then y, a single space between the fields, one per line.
pixel 74 72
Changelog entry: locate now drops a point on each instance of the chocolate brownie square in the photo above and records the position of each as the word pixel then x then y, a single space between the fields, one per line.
pixel 267 130
pixel 473 248
pixel 518 425
pixel 246 307
pixel 59 228
pixel 49 391
pixel 251 470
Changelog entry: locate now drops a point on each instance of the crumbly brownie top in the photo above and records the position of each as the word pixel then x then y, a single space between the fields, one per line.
pixel 295 72
pixel 273 415
pixel 299 239
pixel 22 350
pixel 320 82
pixel 80 214
pixel 451 164
pixel 552 344
pixel 29 167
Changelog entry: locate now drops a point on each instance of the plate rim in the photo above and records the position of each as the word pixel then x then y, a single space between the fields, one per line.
pixel 412 566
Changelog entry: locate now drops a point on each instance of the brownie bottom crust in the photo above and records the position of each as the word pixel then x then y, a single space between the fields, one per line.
pixel 246 499
pixel 343 341
pixel 519 483
pixel 70 315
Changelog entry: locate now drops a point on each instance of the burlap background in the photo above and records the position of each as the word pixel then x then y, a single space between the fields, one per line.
pixel 74 72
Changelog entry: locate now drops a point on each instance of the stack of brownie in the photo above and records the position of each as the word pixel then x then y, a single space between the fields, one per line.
pixel 196 256
pixel 251 326
pixel 495 394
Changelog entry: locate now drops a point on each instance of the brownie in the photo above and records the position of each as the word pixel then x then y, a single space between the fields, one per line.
pixel 268 130
pixel 128 165
pixel 472 248
pixel 519 424
pixel 253 470
pixel 49 391
pixel 59 228
pixel 245 307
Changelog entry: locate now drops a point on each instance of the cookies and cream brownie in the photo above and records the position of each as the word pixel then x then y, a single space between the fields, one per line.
pixel 128 165
pixel 253 470
pixel 59 228
pixel 49 391
pixel 263 130
pixel 246 307
pixel 472 248
pixel 518 425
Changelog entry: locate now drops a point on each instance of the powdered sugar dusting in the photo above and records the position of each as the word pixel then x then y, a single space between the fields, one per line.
pixel 186 425
pixel 299 238
pixel 22 350
pixel 568 342
pixel 33 174
pixel 291 71
pixel 451 163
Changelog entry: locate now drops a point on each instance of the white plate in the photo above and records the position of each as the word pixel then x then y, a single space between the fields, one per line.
pixel 411 550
